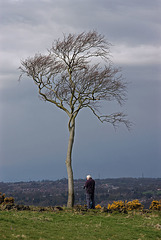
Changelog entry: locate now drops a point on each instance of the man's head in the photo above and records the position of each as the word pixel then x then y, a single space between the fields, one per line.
pixel 88 177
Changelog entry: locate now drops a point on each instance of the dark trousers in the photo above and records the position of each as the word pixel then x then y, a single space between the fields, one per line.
pixel 90 201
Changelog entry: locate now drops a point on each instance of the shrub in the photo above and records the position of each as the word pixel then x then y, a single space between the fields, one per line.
pixel 155 205
pixel 134 205
pixel 98 206
pixel 6 200
pixel 9 200
pixel 2 197
pixel 117 206
pixel 125 206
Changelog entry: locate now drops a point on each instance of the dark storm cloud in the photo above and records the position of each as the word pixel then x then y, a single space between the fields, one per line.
pixel 34 135
pixel 132 21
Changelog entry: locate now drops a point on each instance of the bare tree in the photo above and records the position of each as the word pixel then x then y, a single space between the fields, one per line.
pixel 77 73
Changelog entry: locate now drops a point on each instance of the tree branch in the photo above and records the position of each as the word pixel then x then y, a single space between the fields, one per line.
pixel 67 78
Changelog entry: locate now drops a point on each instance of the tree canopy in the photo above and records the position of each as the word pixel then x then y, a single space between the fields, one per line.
pixel 72 77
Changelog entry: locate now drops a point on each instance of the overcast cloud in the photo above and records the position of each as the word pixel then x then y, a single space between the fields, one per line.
pixel 34 136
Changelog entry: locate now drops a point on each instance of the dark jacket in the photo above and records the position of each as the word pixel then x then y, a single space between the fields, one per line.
pixel 90 186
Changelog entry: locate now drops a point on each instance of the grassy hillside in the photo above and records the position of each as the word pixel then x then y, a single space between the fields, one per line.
pixel 67 225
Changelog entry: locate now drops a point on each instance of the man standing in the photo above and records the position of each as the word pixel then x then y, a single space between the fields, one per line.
pixel 90 187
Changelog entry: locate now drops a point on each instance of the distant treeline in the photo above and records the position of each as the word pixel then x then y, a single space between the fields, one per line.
pixel 52 193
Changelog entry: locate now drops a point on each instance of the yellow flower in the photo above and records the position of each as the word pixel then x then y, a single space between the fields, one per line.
pixel 98 206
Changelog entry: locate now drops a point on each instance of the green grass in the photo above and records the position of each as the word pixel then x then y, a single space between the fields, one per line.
pixel 93 225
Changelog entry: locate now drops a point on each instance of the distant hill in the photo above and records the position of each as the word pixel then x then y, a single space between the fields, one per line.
pixel 51 193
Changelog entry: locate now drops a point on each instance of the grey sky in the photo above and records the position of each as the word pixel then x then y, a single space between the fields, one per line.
pixel 34 136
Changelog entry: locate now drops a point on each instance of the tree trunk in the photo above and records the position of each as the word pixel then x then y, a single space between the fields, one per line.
pixel 70 202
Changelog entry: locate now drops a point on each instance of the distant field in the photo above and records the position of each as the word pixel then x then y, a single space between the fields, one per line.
pixel 91 225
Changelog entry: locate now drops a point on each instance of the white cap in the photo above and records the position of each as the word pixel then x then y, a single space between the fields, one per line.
pixel 88 177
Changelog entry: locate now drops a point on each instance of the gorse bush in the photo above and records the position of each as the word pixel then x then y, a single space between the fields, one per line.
pixel 135 204
pixel 98 206
pixel 125 206
pixel 155 205
pixel 6 200
pixel 2 197
pixel 117 206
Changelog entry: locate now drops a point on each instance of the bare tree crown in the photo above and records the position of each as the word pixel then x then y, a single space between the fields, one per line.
pixel 72 77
